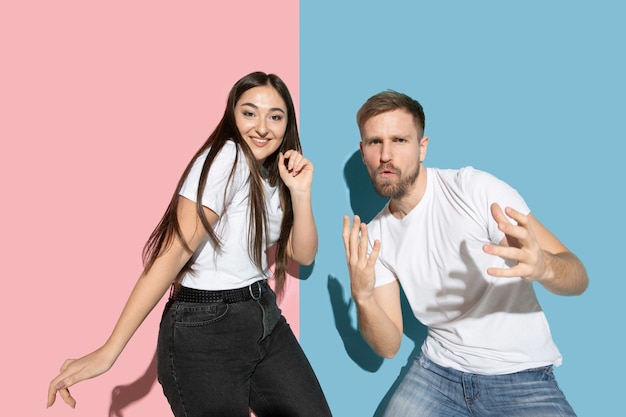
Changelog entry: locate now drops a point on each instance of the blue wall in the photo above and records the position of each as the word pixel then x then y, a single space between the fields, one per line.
pixel 531 91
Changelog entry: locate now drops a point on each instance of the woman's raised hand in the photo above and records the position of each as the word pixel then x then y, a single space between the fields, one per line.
pixel 296 171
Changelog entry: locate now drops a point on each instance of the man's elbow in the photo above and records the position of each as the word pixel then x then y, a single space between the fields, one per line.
pixel 584 284
pixel 582 279
pixel 388 355
pixel 387 352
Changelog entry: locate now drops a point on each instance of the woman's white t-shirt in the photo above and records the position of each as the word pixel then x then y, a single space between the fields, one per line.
pixel 231 266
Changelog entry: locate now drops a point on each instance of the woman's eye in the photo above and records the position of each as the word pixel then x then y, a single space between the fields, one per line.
pixel 248 113
pixel 276 117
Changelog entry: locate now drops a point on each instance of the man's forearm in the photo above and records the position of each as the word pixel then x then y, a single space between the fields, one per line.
pixel 566 274
pixel 378 329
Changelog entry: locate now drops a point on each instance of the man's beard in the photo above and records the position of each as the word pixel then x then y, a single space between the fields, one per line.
pixel 389 188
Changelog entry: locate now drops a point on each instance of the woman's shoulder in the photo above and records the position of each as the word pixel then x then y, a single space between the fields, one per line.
pixel 231 148
pixel 230 161
pixel 227 156
pixel 229 152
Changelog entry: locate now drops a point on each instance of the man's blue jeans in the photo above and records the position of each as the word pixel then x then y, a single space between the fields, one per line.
pixel 218 359
pixel 429 390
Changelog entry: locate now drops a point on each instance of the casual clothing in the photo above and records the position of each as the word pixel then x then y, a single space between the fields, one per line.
pixel 231 267
pixel 430 390
pixel 477 324
pixel 221 358
pixel 218 359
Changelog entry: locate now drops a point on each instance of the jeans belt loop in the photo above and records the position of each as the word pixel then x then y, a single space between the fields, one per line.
pixel 258 284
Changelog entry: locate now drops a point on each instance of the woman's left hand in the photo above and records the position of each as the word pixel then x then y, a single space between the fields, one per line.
pixel 296 171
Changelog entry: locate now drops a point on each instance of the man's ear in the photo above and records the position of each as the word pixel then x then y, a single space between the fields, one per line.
pixel 423 148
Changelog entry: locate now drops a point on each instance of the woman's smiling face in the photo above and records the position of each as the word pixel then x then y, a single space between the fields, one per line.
pixel 261 118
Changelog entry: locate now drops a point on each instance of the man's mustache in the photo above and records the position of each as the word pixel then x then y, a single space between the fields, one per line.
pixel 387 167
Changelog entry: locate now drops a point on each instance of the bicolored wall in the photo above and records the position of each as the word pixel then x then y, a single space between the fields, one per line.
pixel 102 105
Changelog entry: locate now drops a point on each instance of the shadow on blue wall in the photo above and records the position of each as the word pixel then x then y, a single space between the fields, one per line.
pixel 363 199
pixel 356 347
pixel 366 203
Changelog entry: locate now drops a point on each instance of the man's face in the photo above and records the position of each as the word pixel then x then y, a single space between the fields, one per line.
pixel 392 149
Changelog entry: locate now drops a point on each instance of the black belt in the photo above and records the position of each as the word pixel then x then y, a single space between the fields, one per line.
pixel 192 295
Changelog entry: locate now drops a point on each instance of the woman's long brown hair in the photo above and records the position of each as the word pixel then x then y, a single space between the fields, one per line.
pixel 226 129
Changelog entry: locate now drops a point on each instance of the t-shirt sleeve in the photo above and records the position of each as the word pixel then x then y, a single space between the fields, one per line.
pixel 384 275
pixel 220 187
pixel 486 189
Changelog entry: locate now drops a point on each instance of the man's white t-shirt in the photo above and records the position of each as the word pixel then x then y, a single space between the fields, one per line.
pixel 230 267
pixel 476 323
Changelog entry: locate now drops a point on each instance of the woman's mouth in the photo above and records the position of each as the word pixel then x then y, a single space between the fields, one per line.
pixel 259 141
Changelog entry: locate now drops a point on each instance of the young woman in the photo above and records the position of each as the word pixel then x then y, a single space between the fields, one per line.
pixel 223 346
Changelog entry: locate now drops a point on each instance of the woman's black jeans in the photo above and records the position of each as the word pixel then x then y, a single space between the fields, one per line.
pixel 219 359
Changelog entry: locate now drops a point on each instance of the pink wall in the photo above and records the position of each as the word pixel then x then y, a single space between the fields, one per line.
pixel 102 106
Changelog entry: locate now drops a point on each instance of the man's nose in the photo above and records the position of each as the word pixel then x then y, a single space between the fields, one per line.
pixel 385 152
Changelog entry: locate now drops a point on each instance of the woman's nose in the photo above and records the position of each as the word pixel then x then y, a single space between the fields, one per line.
pixel 261 127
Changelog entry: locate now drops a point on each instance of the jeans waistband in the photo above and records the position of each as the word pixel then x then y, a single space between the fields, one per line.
pixel 192 295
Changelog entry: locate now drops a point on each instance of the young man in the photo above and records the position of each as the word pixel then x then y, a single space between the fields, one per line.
pixel 466 251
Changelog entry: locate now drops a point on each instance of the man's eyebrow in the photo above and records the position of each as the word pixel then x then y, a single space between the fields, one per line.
pixel 370 138
pixel 256 107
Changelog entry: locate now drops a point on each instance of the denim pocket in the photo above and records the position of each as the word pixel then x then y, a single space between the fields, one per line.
pixel 194 315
